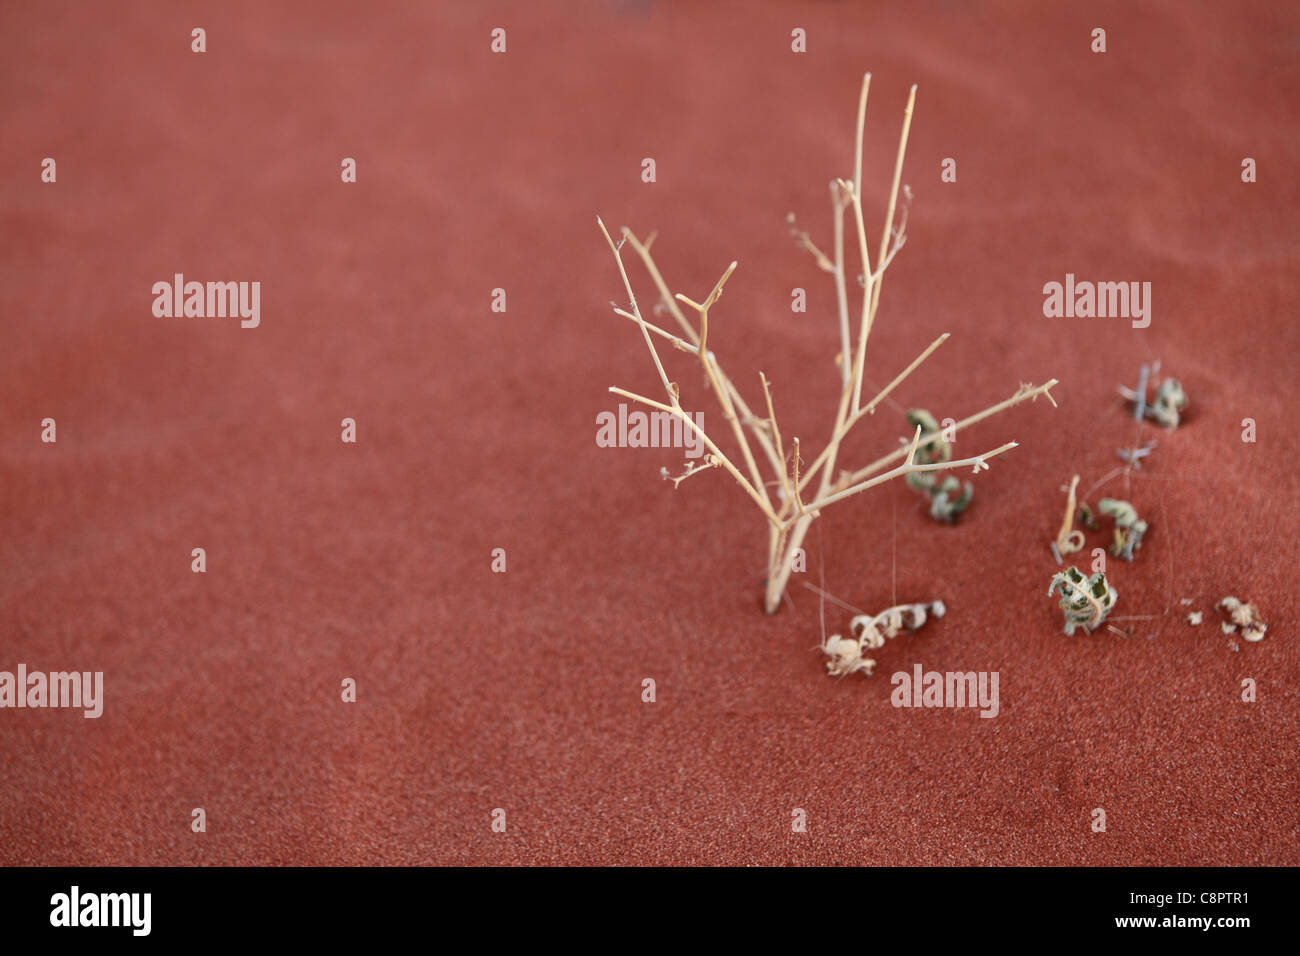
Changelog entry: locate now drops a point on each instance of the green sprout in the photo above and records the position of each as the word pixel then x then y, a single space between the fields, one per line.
pixel 1169 399
pixel 948 497
pixel 1129 528
pixel 1085 601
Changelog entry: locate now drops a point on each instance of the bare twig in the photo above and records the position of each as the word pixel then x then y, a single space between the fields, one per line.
pixel 978 462
pixel 788 491
pixel 676 409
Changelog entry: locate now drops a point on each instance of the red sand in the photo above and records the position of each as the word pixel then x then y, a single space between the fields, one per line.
pixel 522 690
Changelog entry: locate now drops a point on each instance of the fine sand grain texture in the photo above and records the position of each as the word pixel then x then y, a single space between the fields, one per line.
pixel 475 430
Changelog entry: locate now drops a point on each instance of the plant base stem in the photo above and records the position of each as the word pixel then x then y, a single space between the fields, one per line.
pixel 780 563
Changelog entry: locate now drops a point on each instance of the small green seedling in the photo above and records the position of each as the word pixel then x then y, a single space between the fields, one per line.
pixel 1170 400
pixel 1129 528
pixel 1085 601
pixel 948 497
pixel 950 500
pixel 1167 404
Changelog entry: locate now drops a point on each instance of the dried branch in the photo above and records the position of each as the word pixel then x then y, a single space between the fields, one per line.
pixel 760 498
pixel 789 523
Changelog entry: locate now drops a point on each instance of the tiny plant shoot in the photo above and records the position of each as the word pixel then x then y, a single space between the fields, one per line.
pixel 1085 601
pixel 948 497
pixel 1129 528
pixel 1167 405
pixel 802 492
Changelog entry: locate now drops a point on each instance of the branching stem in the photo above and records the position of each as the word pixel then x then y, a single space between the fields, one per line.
pixel 788 524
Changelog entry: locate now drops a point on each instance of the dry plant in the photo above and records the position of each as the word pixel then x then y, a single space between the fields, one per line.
pixel 848 655
pixel 802 492
pixel 1243 615
pixel 1069 539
